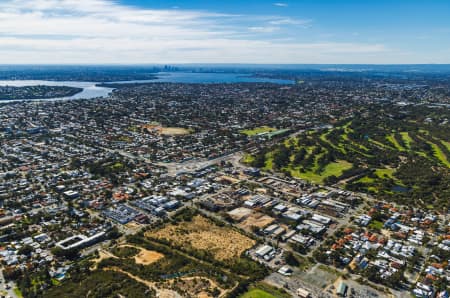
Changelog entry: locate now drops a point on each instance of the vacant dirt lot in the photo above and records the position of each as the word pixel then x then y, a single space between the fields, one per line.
pixel 169 131
pixel 202 234
pixel 256 219
pixel 240 213
pixel 146 257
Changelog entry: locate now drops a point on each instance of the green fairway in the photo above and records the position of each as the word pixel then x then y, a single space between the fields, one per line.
pixel 336 168
pixel 323 137
pixel 439 154
pixel 394 142
pixel 269 162
pixel 446 144
pixel 331 169
pixel 309 176
pixel 407 139
pixel 369 157
pixel 257 130
pixel 366 180
pixel 381 145
pixel 381 173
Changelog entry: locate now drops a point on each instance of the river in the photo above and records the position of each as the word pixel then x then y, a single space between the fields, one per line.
pixel 91 90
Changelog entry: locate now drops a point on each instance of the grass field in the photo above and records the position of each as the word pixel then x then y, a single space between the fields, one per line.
pixel 257 130
pixel 264 290
pixel 257 293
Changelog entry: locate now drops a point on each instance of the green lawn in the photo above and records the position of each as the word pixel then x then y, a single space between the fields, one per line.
pixel 263 290
pixel 257 293
pixel 376 225
pixel 18 292
pixel 257 130
pixel 117 166
pixel 248 158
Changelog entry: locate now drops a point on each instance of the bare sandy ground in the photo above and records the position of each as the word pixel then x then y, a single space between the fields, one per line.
pixel 145 257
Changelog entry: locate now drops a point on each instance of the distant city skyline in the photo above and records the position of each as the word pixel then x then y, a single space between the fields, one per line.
pixel 200 31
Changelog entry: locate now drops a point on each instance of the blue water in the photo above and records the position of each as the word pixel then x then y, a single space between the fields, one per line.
pixel 207 78
pixel 399 188
pixel 91 90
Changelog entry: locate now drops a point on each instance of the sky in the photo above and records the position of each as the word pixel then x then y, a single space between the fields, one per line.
pixel 224 31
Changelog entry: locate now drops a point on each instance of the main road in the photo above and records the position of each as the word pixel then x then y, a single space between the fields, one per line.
pixel 174 168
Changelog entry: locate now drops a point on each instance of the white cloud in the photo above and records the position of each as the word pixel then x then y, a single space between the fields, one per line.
pixel 281 4
pixel 264 29
pixel 101 31
pixel 289 21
